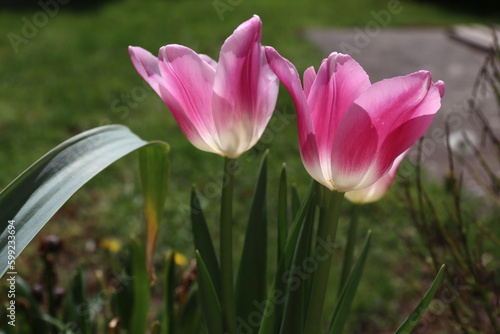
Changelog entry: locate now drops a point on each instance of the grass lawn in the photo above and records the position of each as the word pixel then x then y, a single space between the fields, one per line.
pixel 73 73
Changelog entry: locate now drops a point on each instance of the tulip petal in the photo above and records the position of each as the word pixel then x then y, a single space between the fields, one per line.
pixel 288 75
pixel 187 81
pixel 340 80
pixel 267 95
pixel 354 151
pixel 377 190
pixel 221 107
pixel 147 66
pixel 309 77
pixel 238 71
pixel 409 106
pixel 237 90
pixel 440 86
pixel 208 60
pixel 398 111
pixel 187 127
pixel 392 102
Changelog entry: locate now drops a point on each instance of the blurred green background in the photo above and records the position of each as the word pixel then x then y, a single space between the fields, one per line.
pixel 64 68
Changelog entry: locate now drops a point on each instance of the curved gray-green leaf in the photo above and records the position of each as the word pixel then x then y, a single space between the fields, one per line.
pixel 36 195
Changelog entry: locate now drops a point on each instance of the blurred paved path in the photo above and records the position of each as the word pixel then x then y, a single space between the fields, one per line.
pixel 394 52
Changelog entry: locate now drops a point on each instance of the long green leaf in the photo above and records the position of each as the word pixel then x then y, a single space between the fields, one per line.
pixel 298 220
pixel 155 328
pixel 203 241
pixel 189 318
pixel 36 195
pixel 169 296
pixel 295 200
pixel 298 279
pixel 131 300
pixel 33 311
pixel 330 205
pixel 154 170
pixel 349 248
pixel 124 296
pixel 276 298
pixel 210 305
pixel 419 311
pixel 252 277
pixel 141 293
pixel 346 297
pixel 282 213
pixel 76 305
pixel 282 237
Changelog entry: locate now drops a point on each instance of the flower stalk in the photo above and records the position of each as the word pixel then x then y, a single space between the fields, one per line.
pixel 349 248
pixel 226 248
pixel 327 230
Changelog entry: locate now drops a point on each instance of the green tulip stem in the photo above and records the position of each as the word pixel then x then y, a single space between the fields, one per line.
pixel 349 248
pixel 226 247
pixel 327 230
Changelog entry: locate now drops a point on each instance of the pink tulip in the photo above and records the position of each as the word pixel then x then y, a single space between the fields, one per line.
pixel 221 107
pixel 351 131
pixel 378 189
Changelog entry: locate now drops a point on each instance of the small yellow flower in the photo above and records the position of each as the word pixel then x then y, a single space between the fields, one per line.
pixel 179 258
pixel 112 245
